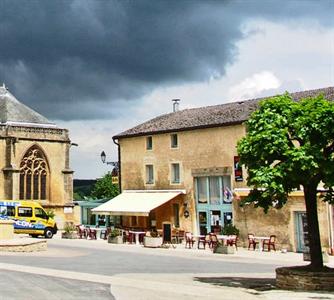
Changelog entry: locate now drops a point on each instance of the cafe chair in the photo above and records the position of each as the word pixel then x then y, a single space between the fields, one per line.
pixel 206 240
pixel 91 233
pixel 81 232
pixel 189 240
pixel 251 241
pixel 214 241
pixel 233 241
pixel 269 243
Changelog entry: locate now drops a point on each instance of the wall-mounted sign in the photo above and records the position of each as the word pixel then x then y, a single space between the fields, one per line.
pixel 68 210
pixel 237 169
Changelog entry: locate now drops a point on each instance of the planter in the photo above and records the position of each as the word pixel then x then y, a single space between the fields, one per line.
pixel 69 235
pixel 222 249
pixel 115 239
pixel 152 242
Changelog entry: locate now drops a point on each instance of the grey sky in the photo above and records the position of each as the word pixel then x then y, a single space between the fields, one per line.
pixel 100 67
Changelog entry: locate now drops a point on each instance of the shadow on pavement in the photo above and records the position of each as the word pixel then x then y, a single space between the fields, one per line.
pixel 258 284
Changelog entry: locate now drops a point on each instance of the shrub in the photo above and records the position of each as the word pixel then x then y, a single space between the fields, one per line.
pixel 69 227
pixel 115 232
pixel 230 229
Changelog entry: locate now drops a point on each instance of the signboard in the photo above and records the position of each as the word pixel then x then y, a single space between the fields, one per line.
pixel 237 169
pixel 68 210
pixel 114 179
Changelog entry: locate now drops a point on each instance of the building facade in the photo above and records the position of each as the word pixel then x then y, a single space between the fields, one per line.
pixel 195 150
pixel 35 159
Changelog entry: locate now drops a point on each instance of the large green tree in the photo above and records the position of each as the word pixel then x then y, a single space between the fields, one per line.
pixel 288 145
pixel 104 188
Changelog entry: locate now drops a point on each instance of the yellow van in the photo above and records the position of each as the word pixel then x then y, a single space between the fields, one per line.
pixel 29 218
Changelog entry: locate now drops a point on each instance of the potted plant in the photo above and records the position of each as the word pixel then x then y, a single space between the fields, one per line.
pixel 70 231
pixel 229 230
pixel 115 237
pixel 152 239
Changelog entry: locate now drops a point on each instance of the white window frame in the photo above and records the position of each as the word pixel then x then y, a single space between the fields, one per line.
pixel 172 173
pixel 173 146
pixel 147 143
pixel 147 174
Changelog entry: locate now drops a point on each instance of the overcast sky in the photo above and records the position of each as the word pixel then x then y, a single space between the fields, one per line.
pixel 101 67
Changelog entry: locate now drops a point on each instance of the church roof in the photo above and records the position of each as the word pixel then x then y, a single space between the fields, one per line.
pixel 13 112
pixel 210 116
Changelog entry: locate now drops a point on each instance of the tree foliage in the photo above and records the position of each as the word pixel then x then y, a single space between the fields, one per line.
pixel 289 144
pixel 104 188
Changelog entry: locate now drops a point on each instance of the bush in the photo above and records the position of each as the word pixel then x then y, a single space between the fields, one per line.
pixel 50 213
pixel 115 232
pixel 69 227
pixel 230 230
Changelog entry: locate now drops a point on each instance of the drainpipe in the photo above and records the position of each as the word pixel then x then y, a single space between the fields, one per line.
pixel 119 165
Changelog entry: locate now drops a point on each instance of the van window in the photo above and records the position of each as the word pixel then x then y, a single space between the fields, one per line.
pixel 11 211
pixel 40 213
pixel 25 212
pixel 7 211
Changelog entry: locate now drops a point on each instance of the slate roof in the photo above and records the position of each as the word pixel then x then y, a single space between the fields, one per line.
pixel 210 116
pixel 12 111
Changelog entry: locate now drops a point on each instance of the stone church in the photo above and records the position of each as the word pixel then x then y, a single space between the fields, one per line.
pixel 34 159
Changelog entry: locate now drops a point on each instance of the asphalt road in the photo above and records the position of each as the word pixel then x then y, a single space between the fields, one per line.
pixel 18 285
pixel 104 262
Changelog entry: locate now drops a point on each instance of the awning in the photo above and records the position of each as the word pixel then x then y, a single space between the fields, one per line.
pixel 136 202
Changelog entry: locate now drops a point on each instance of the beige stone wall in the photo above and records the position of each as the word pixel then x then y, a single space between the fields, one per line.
pixel 15 141
pixel 280 222
pixel 199 149
pixel 203 148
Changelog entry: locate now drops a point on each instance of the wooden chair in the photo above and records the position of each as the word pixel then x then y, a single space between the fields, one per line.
pixel 189 240
pixel 233 241
pixel 206 240
pixel 269 243
pixel 251 241
pixel 214 241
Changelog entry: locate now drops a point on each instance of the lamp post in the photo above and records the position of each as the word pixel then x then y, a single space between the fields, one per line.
pixel 114 164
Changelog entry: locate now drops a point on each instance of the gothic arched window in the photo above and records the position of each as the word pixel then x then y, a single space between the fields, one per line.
pixel 34 175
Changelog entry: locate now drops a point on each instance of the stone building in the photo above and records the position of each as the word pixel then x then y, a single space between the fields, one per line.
pixel 35 159
pixel 193 153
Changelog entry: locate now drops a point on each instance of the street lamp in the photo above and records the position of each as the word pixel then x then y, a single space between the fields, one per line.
pixel 112 163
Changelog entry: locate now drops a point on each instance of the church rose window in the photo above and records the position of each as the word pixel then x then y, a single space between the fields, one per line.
pixel 33 175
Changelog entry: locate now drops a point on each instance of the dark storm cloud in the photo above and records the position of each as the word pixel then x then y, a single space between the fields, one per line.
pixel 79 59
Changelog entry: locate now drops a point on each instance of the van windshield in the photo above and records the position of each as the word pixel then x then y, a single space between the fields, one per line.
pixel 40 213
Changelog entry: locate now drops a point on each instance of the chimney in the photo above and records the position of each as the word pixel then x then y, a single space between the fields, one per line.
pixel 176 104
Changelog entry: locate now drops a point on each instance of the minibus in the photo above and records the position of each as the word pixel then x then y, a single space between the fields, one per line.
pixel 29 217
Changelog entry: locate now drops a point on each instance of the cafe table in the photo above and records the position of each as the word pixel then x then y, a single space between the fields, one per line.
pixel 225 238
pixel 137 233
pixel 261 239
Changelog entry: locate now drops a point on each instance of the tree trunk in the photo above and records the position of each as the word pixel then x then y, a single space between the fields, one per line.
pixel 310 194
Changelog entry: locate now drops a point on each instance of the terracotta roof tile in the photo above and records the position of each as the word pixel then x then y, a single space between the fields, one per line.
pixel 210 116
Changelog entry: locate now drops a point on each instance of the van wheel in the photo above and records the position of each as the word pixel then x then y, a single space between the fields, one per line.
pixel 48 233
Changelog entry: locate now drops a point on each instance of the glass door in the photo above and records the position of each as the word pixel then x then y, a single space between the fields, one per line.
pixel 301 231
pixel 203 222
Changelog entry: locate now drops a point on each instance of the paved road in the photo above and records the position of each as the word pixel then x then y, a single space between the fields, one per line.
pixel 18 285
pixel 83 269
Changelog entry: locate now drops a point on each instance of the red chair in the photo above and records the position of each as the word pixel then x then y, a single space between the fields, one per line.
pixel 91 233
pixel 214 241
pixel 129 237
pixel 269 243
pixel 206 240
pixel 189 240
pixel 233 241
pixel 251 241
pixel 81 232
